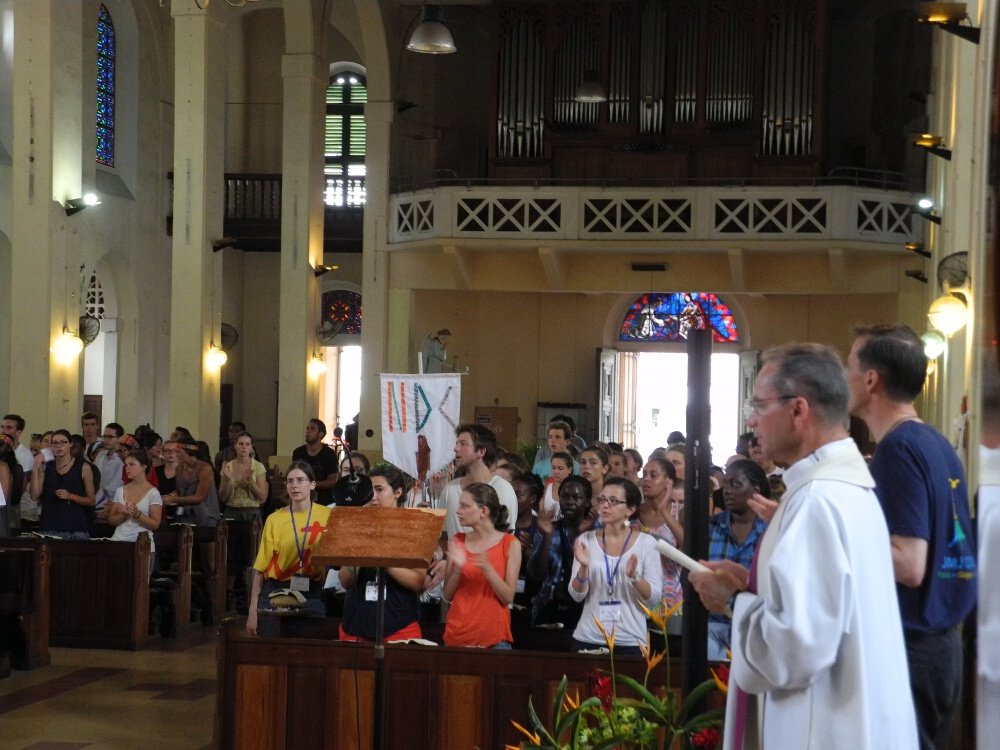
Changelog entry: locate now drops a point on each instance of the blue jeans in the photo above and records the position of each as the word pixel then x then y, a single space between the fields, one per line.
pixel 935 661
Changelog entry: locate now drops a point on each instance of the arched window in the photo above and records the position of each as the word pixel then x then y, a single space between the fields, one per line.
pixel 342 311
pixel 669 317
pixel 105 88
pixel 94 304
pixel 345 140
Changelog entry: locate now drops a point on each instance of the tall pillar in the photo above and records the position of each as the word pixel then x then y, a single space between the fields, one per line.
pixel 305 78
pixel 46 170
pixel 375 295
pixel 196 288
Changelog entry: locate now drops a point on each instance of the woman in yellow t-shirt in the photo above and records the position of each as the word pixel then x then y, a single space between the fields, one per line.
pixel 284 558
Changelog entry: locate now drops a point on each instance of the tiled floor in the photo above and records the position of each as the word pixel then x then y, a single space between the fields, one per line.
pixel 160 697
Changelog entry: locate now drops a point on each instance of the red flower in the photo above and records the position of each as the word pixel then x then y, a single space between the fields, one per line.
pixel 723 671
pixel 707 738
pixel 600 687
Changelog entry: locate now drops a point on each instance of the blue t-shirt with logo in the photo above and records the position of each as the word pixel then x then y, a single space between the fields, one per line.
pixel 921 486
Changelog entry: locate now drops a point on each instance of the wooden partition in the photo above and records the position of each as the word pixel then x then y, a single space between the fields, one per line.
pixel 213 551
pixel 298 692
pixel 176 543
pixel 98 591
pixel 24 605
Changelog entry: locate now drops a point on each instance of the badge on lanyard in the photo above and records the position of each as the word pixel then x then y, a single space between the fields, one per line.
pixel 371 592
pixel 299 583
pixel 609 611
pixel 519 589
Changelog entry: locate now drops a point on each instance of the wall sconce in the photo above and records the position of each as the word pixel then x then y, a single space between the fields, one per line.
pixel 948 17
pixel 933 144
pixel 917 274
pixel 223 243
pixel 76 205
pixel 925 208
pixel 320 270
pixel 934 344
pixel 316 366
pixel 918 248
pixel 431 37
pixel 590 91
pixel 947 314
pixel 67 347
pixel 215 358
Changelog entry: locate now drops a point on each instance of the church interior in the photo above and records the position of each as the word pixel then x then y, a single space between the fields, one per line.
pixel 199 198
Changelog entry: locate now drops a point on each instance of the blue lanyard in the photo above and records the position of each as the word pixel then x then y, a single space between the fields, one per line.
pixel 607 565
pixel 305 535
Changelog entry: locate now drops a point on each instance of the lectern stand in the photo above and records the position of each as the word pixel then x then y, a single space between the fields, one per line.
pixel 380 538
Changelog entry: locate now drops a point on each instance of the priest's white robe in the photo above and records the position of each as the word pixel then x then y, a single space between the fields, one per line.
pixel 819 647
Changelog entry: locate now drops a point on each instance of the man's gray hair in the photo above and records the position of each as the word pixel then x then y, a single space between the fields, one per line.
pixel 814 372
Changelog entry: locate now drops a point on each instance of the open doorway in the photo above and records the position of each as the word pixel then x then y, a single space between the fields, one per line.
pixel 661 401
pixel 340 386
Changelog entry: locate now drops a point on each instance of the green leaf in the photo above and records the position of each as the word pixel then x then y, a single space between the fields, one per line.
pixel 695 696
pixel 533 715
pixel 711 718
pixel 571 719
pixel 557 702
pixel 647 697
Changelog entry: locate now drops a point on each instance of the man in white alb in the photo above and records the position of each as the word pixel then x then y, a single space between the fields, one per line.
pixel 818 655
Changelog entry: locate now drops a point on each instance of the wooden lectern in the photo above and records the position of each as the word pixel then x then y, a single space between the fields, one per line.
pixel 374 537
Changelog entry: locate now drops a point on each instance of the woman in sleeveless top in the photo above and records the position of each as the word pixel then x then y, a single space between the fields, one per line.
pixel 64 488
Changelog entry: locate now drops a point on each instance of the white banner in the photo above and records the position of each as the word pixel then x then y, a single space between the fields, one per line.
pixel 419 417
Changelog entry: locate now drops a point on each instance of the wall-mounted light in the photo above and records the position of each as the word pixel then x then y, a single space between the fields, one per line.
pixel 932 144
pixel 316 366
pixel 431 37
pixel 925 208
pixel 934 344
pixel 215 358
pixel 590 91
pixel 918 248
pixel 67 347
pixel 223 243
pixel 76 205
pixel 917 275
pixel 948 17
pixel 947 314
pixel 320 270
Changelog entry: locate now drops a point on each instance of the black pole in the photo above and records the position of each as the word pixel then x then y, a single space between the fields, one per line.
pixel 379 659
pixel 697 489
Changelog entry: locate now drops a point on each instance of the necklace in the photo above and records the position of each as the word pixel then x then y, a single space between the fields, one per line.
pixel 898 422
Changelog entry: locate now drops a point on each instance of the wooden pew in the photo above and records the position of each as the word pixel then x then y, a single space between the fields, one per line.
pixel 437 698
pixel 98 591
pixel 24 605
pixel 213 551
pixel 174 544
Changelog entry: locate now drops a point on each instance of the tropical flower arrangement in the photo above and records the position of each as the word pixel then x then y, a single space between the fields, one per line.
pixel 622 713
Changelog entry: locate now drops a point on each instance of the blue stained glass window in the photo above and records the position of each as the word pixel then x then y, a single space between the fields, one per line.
pixel 105 88
pixel 342 309
pixel 670 317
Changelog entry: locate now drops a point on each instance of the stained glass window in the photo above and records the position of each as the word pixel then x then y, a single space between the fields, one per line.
pixel 105 88
pixel 670 317
pixel 345 141
pixel 342 311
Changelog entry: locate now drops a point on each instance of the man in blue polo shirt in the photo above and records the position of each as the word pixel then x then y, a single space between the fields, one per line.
pixel 921 486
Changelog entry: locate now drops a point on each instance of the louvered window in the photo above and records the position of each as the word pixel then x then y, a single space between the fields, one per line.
pixel 345 141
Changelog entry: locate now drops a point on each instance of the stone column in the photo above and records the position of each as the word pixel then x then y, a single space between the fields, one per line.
pixel 305 79
pixel 196 289
pixel 46 170
pixel 376 323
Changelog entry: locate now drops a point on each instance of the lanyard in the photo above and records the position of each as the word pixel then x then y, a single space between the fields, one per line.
pixel 607 565
pixel 295 535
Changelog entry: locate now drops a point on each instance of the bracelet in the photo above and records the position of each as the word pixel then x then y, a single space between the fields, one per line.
pixel 634 580
pixel 582 580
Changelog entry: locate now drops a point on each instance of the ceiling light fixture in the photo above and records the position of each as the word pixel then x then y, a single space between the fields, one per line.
pixel 431 36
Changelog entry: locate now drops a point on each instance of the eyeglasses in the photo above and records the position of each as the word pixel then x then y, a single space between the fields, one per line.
pixel 60 442
pixel 752 407
pixel 611 502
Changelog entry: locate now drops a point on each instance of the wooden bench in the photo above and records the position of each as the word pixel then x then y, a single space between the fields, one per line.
pixel 170 584
pixel 98 591
pixel 318 693
pixel 24 605
pixel 210 572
